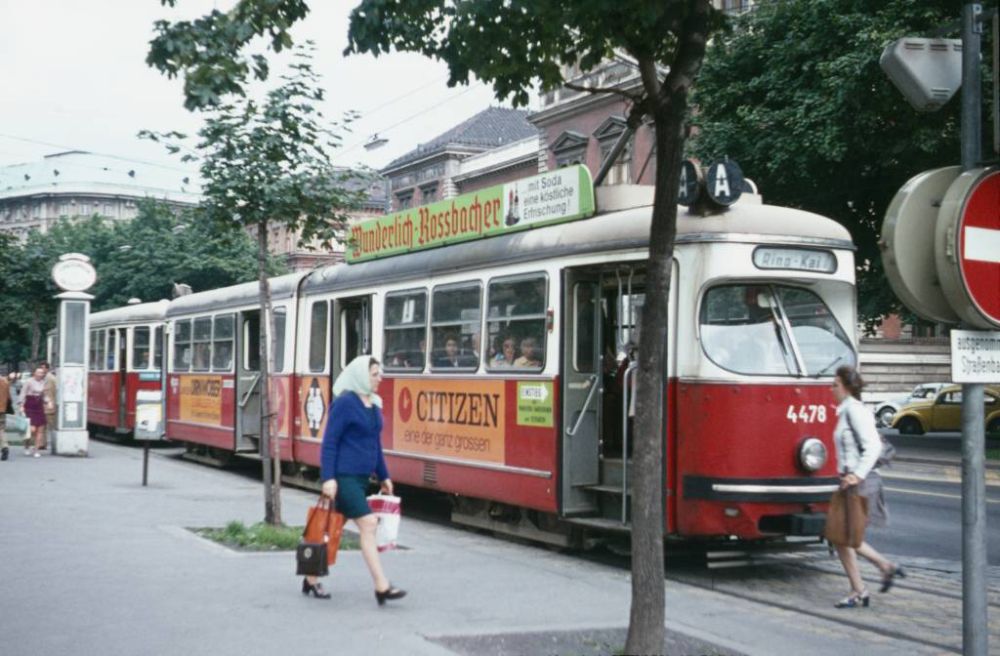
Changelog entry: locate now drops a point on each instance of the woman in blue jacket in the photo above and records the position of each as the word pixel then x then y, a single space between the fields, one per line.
pixel 351 452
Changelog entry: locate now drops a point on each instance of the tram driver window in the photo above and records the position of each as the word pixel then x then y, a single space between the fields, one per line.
pixel 222 343
pixel 405 331
pixel 745 329
pixel 140 347
pixel 515 323
pixel 455 327
pixel 182 345
pixel 201 344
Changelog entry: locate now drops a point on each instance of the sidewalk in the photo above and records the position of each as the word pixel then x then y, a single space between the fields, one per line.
pixel 93 563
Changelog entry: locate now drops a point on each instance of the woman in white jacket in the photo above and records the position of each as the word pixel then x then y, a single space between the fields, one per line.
pixel 858 448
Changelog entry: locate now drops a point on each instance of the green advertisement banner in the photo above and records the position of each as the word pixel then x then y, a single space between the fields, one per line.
pixel 562 195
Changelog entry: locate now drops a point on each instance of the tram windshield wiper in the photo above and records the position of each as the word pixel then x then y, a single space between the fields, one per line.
pixel 827 367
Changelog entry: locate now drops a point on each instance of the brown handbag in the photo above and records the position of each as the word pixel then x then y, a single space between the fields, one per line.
pixel 324 525
pixel 846 518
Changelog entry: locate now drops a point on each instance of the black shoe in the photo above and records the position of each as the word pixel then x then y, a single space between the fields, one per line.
pixel 4 453
pixel 888 579
pixel 389 593
pixel 315 589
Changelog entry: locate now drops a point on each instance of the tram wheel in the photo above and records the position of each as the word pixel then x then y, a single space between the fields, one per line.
pixel 910 426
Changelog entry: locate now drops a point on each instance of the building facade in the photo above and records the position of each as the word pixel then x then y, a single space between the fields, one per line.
pixel 433 170
pixel 77 184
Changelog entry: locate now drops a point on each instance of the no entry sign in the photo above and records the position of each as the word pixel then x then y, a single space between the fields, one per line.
pixel 968 247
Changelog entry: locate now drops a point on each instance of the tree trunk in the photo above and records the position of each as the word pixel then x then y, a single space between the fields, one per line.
pixel 272 495
pixel 668 106
pixel 36 333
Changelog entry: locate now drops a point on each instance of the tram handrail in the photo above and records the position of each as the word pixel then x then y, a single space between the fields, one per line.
pixel 586 404
pixel 246 397
pixel 630 372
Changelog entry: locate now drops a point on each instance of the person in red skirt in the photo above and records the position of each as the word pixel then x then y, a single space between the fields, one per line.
pixel 33 404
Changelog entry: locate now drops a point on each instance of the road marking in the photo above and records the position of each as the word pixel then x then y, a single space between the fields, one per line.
pixel 933 494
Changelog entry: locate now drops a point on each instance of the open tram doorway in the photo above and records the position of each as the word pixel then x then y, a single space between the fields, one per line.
pixel 351 334
pixel 248 381
pixel 602 308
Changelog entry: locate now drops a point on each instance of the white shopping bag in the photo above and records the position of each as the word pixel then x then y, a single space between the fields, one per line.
pixel 387 509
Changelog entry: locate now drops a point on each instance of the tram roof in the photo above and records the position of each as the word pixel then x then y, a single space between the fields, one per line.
pixel 137 313
pixel 244 294
pixel 623 225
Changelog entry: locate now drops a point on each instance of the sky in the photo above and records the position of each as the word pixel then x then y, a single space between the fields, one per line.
pixel 73 77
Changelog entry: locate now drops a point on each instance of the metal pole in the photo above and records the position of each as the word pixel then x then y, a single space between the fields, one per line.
pixel 974 608
pixel 145 462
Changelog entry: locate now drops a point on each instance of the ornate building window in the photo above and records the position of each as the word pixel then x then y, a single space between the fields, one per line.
pixel 570 148
pixel 429 193
pixel 607 135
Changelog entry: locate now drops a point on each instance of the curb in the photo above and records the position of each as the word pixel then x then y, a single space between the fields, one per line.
pixel 941 462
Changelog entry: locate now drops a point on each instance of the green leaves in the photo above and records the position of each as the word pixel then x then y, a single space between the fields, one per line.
pixel 795 94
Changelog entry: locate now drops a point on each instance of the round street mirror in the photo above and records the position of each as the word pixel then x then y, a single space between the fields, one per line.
pixel 907 247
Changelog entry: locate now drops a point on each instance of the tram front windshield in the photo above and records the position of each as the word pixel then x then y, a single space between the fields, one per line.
pixel 772 330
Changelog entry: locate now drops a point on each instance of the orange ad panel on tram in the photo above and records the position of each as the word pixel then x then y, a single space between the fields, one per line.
pixel 313 404
pixel 201 399
pixel 464 419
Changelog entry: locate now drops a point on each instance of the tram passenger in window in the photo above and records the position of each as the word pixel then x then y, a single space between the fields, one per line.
pixel 200 357
pixel 223 357
pixel 141 360
pixel 530 358
pixel 507 353
pixel 451 356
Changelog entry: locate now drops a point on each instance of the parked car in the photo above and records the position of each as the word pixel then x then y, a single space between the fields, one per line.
pixel 886 409
pixel 943 412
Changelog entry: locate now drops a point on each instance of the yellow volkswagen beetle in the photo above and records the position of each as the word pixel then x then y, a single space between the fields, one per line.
pixel 943 412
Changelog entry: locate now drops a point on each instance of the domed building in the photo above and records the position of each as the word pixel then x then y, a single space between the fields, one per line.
pixel 77 184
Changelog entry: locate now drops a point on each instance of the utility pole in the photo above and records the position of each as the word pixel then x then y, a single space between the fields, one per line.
pixel 974 608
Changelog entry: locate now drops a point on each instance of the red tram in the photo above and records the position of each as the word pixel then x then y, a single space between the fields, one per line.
pixel 509 381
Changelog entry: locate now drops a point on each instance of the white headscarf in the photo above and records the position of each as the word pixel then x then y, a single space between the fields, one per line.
pixel 355 378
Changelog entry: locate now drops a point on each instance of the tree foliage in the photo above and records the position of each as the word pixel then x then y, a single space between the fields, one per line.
pixel 795 94
pixel 140 258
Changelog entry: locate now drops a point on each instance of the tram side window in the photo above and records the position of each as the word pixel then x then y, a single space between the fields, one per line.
pixel 201 344
pixel 93 350
pixel 140 347
pixel 182 345
pixel 515 323
pixel 455 327
pixel 405 331
pixel 222 343
pixel 158 348
pixel 99 363
pixel 279 339
pixel 318 322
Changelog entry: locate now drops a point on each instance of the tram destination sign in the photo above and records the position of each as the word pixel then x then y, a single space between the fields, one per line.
pixel 563 195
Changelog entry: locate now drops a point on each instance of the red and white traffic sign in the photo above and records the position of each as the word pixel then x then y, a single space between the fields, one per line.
pixel 979 246
pixel 968 247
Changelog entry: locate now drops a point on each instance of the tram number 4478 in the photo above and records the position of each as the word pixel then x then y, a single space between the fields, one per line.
pixel 807 414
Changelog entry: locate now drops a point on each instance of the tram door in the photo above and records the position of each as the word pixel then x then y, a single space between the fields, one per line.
pixel 122 377
pixel 248 381
pixel 581 390
pixel 352 331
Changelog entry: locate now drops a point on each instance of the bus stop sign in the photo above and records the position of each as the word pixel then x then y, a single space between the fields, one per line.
pixel 968 240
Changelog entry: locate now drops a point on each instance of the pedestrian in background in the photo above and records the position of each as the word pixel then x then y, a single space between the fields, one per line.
pixel 6 408
pixel 51 399
pixel 33 406
pixel 858 447
pixel 351 453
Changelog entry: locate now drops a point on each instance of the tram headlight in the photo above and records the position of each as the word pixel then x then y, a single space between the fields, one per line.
pixel 812 454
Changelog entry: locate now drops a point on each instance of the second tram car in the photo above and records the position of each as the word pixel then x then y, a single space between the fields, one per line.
pixel 509 368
